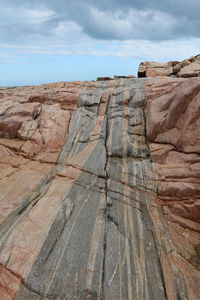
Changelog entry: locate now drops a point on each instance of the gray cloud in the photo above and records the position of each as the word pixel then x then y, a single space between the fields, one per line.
pixel 105 20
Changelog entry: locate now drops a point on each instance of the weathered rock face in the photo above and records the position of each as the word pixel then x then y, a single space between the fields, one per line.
pixel 188 68
pixel 100 189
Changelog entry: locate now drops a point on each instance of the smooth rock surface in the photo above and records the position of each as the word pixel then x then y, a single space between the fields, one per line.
pixel 100 190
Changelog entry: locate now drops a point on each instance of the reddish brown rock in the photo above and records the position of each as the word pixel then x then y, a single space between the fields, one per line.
pixel 173 118
pixel 159 72
pixel 9 292
pixel 192 70
pixel 173 122
pixel 155 69
pixel 188 68
pixel 100 189
pixel 180 65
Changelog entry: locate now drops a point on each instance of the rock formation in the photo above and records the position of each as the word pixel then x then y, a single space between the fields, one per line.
pixel 188 68
pixel 100 190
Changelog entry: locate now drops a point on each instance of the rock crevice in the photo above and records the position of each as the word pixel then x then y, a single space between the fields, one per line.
pixel 100 190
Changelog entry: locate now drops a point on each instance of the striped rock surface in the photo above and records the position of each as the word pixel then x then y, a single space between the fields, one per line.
pixel 100 190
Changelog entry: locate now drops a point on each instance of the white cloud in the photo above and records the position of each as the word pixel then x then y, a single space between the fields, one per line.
pixel 137 50
pixel 178 49
pixel 13 15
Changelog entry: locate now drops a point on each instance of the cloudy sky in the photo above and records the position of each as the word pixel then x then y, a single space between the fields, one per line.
pixel 54 40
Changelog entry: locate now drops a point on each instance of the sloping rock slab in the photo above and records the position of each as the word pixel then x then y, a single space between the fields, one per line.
pixel 99 189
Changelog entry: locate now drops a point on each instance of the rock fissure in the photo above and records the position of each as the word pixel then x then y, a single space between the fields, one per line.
pixel 106 212
pixel 94 204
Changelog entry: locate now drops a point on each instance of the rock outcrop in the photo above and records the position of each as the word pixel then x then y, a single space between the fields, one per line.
pixel 100 190
pixel 188 68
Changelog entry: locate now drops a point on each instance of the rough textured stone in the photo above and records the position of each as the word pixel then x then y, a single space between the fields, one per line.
pixel 192 70
pixel 100 189
pixel 173 121
pixel 188 68
pixel 155 69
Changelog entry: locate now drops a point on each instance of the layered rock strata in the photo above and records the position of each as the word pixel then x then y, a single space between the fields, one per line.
pixel 187 68
pixel 100 189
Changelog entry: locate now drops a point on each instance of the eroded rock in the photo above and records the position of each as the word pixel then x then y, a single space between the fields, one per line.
pixel 100 189
pixel 188 68
pixel 173 136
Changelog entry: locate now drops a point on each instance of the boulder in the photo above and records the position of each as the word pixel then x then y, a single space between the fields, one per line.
pixel 188 68
pixel 192 70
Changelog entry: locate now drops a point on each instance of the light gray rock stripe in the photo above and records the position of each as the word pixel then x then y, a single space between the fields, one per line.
pixel 62 261
pixel 104 239
pixel 115 278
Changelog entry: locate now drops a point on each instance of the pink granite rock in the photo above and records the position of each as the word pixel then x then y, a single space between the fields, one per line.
pixel 100 189
pixel 173 121
pixel 188 68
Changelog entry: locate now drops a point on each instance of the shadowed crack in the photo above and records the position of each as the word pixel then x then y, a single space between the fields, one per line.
pixel 106 214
